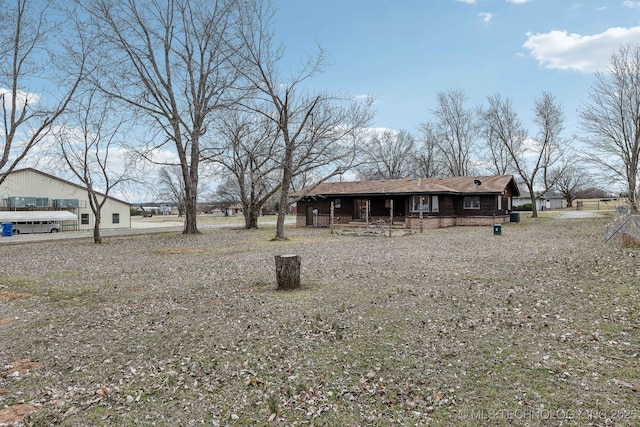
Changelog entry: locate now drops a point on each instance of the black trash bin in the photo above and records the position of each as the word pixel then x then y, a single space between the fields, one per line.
pixel 514 217
pixel 497 229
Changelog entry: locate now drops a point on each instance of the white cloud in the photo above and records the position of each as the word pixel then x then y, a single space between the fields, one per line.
pixel 22 98
pixel 486 17
pixel 518 1
pixel 629 3
pixel 569 51
pixel 467 1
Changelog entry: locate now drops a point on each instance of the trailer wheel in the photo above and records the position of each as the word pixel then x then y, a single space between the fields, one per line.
pixel 54 230
pixel 16 231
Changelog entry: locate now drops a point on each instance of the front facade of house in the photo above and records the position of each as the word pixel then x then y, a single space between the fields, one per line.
pixel 30 192
pixel 410 203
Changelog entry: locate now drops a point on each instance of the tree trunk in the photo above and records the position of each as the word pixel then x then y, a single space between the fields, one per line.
pixel 288 271
pixel 633 190
pixel 282 212
pixel 534 207
pixel 251 215
pixel 97 238
pixel 190 210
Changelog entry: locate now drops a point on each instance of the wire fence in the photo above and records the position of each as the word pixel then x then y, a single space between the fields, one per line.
pixel 625 225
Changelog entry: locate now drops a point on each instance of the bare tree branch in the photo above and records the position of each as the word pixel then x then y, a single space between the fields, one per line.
pixel 611 121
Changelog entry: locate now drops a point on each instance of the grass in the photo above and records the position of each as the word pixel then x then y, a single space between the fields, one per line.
pixel 538 326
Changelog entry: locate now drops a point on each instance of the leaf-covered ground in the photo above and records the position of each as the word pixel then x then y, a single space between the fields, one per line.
pixel 537 326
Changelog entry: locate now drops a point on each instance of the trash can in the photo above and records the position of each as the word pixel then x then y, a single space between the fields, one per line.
pixel 7 229
pixel 514 217
pixel 497 229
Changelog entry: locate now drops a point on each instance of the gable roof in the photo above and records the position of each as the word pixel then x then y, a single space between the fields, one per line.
pixel 450 185
pixel 64 181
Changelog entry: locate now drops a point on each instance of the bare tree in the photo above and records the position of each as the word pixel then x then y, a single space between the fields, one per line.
pixel 171 187
pixel 89 139
pixel 317 132
pixel 570 179
pixel 611 121
pixel 427 163
pixel 496 154
pixel 391 154
pixel 550 145
pixel 170 62
pixel 226 195
pixel 29 30
pixel 248 150
pixel 454 133
pixel 530 156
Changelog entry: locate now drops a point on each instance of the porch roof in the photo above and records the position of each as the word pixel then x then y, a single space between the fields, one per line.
pixel 451 185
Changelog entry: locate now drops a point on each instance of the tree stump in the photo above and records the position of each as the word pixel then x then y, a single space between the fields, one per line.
pixel 288 271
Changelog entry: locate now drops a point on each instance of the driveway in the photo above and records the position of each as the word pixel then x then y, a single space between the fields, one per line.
pixel 574 214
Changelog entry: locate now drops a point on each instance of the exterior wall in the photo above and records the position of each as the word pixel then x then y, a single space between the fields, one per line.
pixel 29 183
pixel 546 204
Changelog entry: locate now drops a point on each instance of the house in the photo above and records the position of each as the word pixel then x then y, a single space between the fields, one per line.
pixel 549 200
pixel 412 203
pixel 523 199
pixel 30 195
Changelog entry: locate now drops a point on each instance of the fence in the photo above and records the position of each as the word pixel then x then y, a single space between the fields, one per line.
pixel 625 224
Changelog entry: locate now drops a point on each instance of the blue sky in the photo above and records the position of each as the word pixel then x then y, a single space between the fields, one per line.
pixel 402 52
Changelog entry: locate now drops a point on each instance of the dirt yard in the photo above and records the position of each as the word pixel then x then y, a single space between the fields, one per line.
pixel 537 326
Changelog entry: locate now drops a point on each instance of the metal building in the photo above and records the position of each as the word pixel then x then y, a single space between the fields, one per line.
pixel 31 193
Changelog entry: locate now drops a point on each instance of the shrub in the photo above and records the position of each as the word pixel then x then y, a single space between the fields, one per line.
pixel 525 207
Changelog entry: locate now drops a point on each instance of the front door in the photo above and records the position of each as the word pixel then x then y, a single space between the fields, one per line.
pixel 360 210
pixel 309 213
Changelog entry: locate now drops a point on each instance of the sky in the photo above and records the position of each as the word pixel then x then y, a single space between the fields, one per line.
pixel 403 52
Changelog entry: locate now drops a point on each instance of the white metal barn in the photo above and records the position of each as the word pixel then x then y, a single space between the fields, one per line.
pixel 30 195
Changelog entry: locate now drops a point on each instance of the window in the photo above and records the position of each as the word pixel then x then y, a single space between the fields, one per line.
pixel 472 202
pixel 434 204
pixel 337 204
pixel 115 218
pixel 82 203
pixel 84 219
pixel 420 203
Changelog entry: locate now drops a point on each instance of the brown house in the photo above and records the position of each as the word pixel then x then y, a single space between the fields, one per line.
pixel 412 203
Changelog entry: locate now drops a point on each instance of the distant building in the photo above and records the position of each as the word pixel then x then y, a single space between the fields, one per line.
pixel 29 194
pixel 550 200
pixel 547 201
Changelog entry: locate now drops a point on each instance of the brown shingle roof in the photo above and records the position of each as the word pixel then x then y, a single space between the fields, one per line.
pixel 451 185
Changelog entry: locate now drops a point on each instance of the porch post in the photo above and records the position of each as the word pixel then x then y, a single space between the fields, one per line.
pixel 421 216
pixel 391 218
pixel 367 208
pixel 331 217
